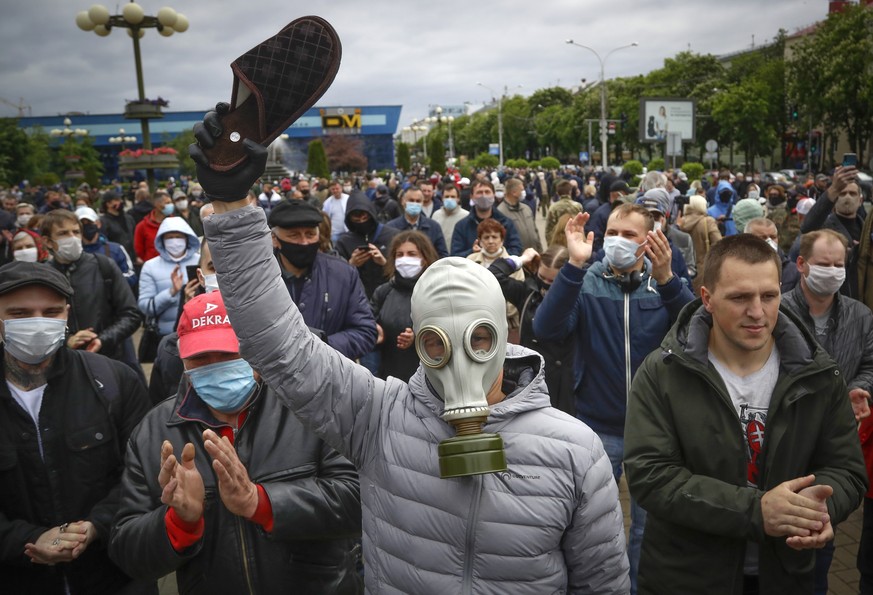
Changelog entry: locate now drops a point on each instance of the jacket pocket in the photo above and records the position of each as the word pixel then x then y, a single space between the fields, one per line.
pixel 91 458
pixel 649 303
pixel 301 471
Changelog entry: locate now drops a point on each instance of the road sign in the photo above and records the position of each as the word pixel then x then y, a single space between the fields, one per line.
pixel 711 146
pixel 494 149
pixel 610 128
pixel 710 156
pixel 583 156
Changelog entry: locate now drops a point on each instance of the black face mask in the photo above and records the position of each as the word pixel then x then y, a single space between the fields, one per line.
pixel 89 231
pixel 364 228
pixel 305 192
pixel 300 255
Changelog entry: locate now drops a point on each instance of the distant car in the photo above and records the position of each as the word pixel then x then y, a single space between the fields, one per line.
pixel 794 175
pixel 775 177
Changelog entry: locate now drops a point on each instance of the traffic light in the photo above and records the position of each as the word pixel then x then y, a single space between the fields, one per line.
pixel 795 115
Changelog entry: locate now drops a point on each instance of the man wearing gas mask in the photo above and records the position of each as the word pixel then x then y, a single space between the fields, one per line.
pixel 448 506
pixel 633 284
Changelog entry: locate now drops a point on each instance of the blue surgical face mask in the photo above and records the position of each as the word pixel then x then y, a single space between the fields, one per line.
pixel 450 204
pixel 168 209
pixel 413 209
pixel 621 253
pixel 224 386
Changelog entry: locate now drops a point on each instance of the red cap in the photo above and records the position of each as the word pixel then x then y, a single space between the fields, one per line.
pixel 204 326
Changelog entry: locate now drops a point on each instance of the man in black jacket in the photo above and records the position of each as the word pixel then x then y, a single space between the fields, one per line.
pixel 103 312
pixel 365 244
pixel 65 417
pixel 259 505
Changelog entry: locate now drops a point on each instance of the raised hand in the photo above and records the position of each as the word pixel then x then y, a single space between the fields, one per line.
pixel 579 244
pixel 232 185
pixel 239 494
pixel 181 482
pixel 659 252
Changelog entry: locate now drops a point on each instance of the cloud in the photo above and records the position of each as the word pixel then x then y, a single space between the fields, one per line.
pixel 411 53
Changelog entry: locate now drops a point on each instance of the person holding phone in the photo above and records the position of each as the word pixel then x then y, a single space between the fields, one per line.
pixel 839 209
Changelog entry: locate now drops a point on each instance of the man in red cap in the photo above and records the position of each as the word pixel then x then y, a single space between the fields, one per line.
pixel 259 492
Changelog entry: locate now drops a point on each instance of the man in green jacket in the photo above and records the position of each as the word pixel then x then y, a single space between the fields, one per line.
pixel 739 441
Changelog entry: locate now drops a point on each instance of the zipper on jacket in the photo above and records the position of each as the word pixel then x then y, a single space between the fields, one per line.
pixel 627 353
pixel 470 539
pixel 245 555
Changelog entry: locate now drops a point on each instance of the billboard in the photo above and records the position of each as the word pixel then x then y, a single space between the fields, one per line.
pixel 660 116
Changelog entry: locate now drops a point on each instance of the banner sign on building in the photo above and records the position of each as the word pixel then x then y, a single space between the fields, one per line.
pixel 660 116
pixel 341 120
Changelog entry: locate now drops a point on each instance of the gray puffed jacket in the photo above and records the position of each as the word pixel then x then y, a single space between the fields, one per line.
pixel 550 524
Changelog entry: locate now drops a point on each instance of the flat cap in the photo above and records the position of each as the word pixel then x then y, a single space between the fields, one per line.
pixel 18 274
pixel 294 213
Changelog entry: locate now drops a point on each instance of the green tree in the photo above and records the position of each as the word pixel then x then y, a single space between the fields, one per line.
pixel 80 155
pixel 486 160
pixel 181 143
pixel 829 76
pixel 13 151
pixel 316 163
pixel 403 158
pixel 693 170
pixel 436 153
pixel 633 167
pixel 656 164
pixel 550 163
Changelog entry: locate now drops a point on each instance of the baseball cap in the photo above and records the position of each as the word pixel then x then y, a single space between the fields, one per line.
pixel 179 195
pixel 204 326
pixel 804 205
pixel 86 213
pixel 294 213
pixel 619 186
pixel 18 274
pixel 656 199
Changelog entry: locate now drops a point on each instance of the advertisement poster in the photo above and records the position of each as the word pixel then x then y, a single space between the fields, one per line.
pixel 660 116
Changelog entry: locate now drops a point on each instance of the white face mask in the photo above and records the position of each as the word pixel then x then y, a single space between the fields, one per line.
pixel 754 194
pixel 176 247
pixel 772 243
pixel 23 220
pixel 69 249
pixel 26 254
pixel 523 194
pixel 824 281
pixel 658 226
pixel 408 266
pixel 347 189
pixel 499 194
pixel 211 283
pixel 182 204
pixel 34 340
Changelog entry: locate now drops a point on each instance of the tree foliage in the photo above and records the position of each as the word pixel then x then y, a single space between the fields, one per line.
pixel 79 154
pixel 344 153
pixel 181 143
pixel 830 76
pixel 316 163
pixel 404 162
pixel 436 153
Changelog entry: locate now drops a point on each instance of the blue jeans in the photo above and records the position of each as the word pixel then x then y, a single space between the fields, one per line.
pixel 614 447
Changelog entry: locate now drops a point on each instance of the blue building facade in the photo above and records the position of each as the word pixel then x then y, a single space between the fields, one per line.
pixel 372 126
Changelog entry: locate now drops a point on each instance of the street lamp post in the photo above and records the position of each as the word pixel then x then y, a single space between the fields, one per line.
pixel 133 18
pixel 499 115
pixel 122 138
pixel 602 61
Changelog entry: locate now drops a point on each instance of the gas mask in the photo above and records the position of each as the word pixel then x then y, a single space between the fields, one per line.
pixel 459 318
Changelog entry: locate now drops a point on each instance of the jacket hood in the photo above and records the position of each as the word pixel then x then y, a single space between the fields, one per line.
pixel 358 201
pixel 723 185
pixel 522 366
pixel 689 337
pixel 176 224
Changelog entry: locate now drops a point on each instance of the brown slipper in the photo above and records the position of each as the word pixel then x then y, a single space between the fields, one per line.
pixel 274 84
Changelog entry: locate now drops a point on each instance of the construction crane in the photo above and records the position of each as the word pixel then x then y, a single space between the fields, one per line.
pixel 20 106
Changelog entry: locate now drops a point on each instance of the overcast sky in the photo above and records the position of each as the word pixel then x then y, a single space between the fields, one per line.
pixel 395 52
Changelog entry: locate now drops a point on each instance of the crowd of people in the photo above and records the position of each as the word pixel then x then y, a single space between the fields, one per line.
pixel 710 339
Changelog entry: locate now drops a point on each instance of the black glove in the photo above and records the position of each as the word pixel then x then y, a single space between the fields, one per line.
pixel 231 185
